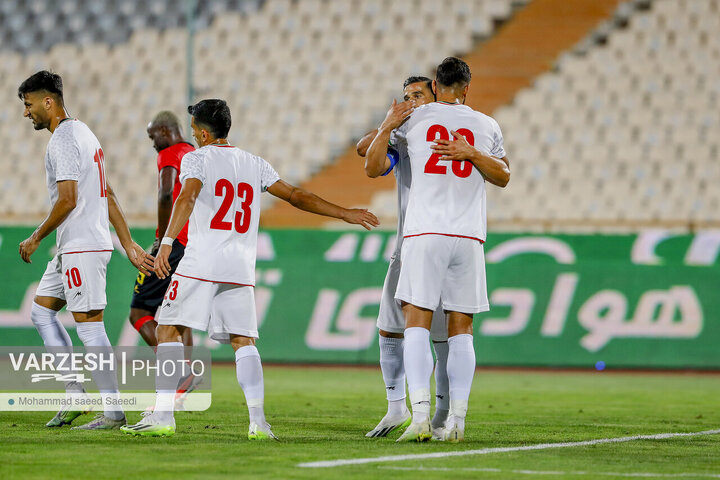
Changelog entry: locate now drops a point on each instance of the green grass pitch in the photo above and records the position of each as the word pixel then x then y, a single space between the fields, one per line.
pixel 323 414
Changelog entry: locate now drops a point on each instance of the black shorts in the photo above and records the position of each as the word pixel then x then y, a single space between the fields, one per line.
pixel 149 291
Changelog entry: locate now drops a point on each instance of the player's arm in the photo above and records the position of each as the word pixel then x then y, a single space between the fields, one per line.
pixel 168 175
pixel 377 161
pixel 180 215
pixel 135 253
pixel 364 143
pixel 310 202
pixel 495 170
pixel 66 202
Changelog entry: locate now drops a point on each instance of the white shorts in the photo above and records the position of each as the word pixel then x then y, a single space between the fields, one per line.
pixel 77 278
pixel 440 266
pixel 391 319
pixel 221 309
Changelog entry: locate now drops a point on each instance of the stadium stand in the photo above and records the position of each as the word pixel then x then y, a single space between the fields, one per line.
pixel 622 131
pixel 303 78
pixel 523 48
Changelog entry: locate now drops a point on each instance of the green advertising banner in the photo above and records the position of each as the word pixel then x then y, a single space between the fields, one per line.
pixel 647 300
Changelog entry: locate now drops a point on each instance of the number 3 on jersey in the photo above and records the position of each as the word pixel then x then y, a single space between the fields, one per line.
pixel 462 169
pixel 172 291
pixel 223 188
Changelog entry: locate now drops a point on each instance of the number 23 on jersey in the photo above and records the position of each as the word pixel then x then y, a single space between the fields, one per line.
pixel 226 190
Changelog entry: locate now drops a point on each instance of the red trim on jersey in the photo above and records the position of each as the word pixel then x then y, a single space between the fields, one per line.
pixel 86 251
pixel 220 145
pixel 214 281
pixel 444 235
pixel 142 321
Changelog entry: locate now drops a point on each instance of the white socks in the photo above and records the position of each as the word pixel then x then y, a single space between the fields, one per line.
pixel 393 372
pixel 54 336
pixel 442 388
pixel 170 360
pixel 250 377
pixel 92 334
pixel 460 370
pixel 49 327
pixel 418 362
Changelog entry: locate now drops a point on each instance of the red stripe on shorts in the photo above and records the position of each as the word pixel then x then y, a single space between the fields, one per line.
pixel 444 235
pixel 214 281
pixel 86 251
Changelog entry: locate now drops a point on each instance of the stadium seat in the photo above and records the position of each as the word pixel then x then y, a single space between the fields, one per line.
pixel 305 79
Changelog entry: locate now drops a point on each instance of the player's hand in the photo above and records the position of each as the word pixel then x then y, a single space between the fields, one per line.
pixel 361 216
pixel 142 260
pixel 397 114
pixel 27 247
pixel 162 264
pixel 458 149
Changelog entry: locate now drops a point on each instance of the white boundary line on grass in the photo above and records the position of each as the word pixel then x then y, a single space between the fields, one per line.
pixel 485 451
pixel 555 472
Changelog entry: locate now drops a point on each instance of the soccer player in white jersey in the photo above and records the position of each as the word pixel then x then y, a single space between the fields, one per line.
pixel 445 225
pixel 391 323
pixel 81 203
pixel 216 276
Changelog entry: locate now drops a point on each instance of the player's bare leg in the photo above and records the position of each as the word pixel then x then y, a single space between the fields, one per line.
pixel 460 368
pixel 144 322
pixel 250 377
pixel 393 372
pixel 418 362
pixel 91 330
pixel 44 316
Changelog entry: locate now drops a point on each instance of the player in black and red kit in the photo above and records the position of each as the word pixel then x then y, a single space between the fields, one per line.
pixel 165 132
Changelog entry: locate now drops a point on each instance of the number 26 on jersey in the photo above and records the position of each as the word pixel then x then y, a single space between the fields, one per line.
pixel 461 169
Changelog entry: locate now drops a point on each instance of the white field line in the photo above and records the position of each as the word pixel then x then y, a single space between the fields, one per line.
pixel 485 451
pixel 555 472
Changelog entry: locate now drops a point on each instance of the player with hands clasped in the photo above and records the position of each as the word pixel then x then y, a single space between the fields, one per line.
pixel 445 227
pixel 82 203
pixel 220 196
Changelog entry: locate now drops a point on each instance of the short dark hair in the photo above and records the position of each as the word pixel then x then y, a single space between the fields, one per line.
pixel 453 71
pixel 415 79
pixel 42 80
pixel 214 114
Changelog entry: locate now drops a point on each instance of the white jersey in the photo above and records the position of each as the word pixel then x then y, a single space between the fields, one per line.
pixel 74 153
pixel 403 177
pixel 447 197
pixel 223 227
